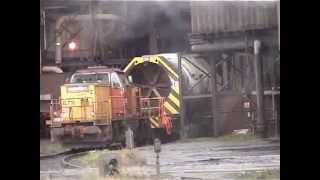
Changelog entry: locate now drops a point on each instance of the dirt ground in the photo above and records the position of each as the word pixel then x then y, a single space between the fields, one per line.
pixel 215 158
pixel 201 158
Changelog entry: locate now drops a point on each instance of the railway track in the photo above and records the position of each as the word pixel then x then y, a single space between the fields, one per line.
pixel 68 162
pixel 83 148
pixel 72 161
pixel 194 161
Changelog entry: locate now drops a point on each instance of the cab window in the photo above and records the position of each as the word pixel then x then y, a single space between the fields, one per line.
pixel 83 78
pixel 115 82
pixel 124 80
pixel 90 78
pixel 103 77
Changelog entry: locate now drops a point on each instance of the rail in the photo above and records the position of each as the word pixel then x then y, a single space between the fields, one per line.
pixel 114 108
pixel 77 109
pixel 150 107
pixel 74 110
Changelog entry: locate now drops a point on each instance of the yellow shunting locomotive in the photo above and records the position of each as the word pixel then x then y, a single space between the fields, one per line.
pixel 99 104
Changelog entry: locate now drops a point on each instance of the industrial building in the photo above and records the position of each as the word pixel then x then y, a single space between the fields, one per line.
pixel 225 56
pixel 159 89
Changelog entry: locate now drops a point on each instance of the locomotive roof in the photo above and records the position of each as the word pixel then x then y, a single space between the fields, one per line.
pixel 98 69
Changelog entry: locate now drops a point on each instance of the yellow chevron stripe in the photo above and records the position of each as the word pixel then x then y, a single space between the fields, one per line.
pixel 174 99
pixel 170 108
pixel 152 126
pixel 157 60
pixel 168 68
pixel 134 61
pixel 153 122
pixel 154 59
pixel 129 65
pixel 176 89
pixel 138 60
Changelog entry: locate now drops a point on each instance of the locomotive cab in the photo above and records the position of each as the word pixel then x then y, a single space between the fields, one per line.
pixel 91 101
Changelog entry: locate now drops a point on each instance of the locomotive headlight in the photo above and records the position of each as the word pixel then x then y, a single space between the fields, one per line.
pixel 55 113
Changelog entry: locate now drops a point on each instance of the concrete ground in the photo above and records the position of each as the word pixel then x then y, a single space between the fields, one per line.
pixel 201 158
pixel 216 158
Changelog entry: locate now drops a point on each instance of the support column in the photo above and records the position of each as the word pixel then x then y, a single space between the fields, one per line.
pixel 42 25
pixel 183 134
pixel 278 8
pixel 214 97
pixel 260 125
pixel 40 58
pixel 44 30
pixel 225 72
pixel 274 114
pixel 273 86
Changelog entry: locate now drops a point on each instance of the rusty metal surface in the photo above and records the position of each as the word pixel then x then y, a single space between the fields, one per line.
pixel 227 16
pixel 232 113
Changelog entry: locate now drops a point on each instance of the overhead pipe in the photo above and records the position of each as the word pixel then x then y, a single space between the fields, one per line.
pixel 40 58
pixel 279 23
pixel 58 58
pixel 232 44
pixel 44 30
pixel 220 45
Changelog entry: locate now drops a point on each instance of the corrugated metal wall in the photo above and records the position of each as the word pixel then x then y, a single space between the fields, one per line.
pixel 227 16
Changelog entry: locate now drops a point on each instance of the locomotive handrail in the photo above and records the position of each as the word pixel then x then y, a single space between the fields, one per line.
pixel 150 107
